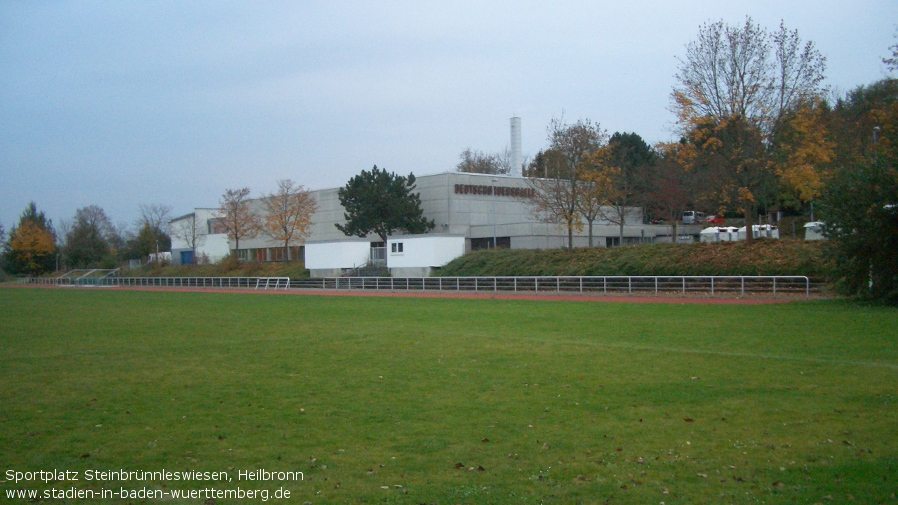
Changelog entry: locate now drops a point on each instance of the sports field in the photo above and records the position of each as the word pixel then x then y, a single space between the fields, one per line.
pixel 403 400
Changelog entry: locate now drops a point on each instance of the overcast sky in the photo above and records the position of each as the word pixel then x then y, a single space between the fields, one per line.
pixel 123 102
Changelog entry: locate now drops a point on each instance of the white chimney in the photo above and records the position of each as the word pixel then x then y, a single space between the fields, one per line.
pixel 516 157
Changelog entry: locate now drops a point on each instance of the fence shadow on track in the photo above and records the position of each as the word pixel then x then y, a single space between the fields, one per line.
pixel 614 285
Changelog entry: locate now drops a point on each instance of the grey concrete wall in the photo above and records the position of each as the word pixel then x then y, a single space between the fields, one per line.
pixel 483 213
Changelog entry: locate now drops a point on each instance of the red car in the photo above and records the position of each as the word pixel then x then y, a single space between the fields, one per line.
pixel 716 220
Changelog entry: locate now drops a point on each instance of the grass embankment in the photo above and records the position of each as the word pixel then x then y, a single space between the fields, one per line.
pixel 227 268
pixel 761 257
pixel 452 401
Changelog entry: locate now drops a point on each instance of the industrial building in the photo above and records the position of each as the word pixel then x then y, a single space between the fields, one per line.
pixel 470 211
pixel 484 211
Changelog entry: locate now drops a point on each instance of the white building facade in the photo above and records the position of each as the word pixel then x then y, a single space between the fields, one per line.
pixel 196 238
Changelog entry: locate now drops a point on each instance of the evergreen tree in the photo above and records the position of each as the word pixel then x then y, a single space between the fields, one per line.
pixel 381 202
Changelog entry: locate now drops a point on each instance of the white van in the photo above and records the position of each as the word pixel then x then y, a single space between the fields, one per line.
pixel 692 217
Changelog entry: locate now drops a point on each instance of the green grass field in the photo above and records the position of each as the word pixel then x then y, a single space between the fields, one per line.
pixel 383 400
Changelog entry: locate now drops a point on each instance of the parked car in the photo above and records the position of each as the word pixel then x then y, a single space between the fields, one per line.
pixel 716 219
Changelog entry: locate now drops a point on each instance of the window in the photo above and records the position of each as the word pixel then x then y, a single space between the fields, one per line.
pixel 276 254
pixel 216 226
pixel 487 243
pixel 396 248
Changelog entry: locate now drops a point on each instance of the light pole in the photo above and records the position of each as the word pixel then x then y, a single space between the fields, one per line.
pixel 493 195
pixel 876 131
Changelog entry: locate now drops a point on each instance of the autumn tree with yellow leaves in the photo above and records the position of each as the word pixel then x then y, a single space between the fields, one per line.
pixel 804 153
pixel 738 85
pixel 288 214
pixel 31 246
pixel 596 178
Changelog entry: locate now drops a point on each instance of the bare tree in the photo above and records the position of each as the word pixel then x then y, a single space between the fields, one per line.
pixel 673 187
pixel 238 220
pixel 891 62
pixel 557 200
pixel 745 72
pixel 154 215
pixel 288 214
pixel 478 162
pixel 191 231
pixel 799 72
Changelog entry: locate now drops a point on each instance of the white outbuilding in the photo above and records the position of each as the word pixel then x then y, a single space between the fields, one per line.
pixel 418 255
pixel 331 258
pixel 761 231
pixel 720 234
pixel 813 231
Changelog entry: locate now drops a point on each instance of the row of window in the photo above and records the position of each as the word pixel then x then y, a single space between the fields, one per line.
pixel 271 254
pixel 488 243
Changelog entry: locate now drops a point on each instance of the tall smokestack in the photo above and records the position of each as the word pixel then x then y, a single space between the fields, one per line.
pixel 516 157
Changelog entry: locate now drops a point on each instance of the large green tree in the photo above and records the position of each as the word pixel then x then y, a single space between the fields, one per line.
pixel 633 160
pixel 860 204
pixel 381 202
pixel 31 245
pixel 88 242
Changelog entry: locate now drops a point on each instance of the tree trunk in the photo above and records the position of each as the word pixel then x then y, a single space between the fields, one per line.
pixel 676 233
pixel 749 232
pixel 590 233
pixel 570 236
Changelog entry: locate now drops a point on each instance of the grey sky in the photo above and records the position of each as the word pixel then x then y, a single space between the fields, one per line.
pixel 120 103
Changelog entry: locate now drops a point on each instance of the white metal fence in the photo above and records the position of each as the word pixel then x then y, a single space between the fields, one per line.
pixel 619 284
pixel 186 282
pixel 656 285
